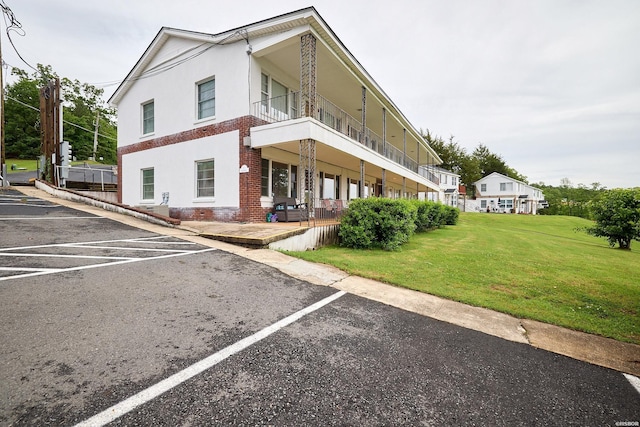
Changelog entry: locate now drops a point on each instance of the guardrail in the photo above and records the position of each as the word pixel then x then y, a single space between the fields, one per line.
pixel 87 175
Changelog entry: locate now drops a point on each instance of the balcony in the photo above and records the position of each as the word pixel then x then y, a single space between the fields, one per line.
pixel 287 107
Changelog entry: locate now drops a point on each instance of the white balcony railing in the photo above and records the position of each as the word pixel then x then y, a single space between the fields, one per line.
pixel 287 107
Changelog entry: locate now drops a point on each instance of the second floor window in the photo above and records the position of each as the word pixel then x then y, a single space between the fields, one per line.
pixel 207 99
pixel 506 186
pixel 275 97
pixel 147 118
pixel 483 187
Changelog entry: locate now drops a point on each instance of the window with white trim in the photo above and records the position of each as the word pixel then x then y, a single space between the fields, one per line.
pixel 205 178
pixel 505 204
pixel 147 183
pixel 275 98
pixel 148 118
pixel 506 186
pixel 278 179
pixel 207 99
pixel 483 187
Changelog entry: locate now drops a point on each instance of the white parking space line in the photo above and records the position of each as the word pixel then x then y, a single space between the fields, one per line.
pixel 53 270
pixel 106 264
pixel 98 245
pixel 124 248
pixel 56 245
pixel 13 254
pixel 128 405
pixel 39 218
pixel 635 381
pixel 31 204
pixel 166 243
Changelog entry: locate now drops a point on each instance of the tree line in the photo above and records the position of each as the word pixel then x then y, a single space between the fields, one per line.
pixel 82 106
pixel 470 166
pixel 615 213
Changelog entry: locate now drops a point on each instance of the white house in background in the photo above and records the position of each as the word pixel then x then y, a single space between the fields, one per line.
pixel 216 125
pixel 449 186
pixel 499 193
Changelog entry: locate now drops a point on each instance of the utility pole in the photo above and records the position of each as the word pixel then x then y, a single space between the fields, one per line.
pixel 51 124
pixel 95 135
pixel 3 166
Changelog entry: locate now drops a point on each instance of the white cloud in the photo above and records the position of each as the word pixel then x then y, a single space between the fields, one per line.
pixel 552 86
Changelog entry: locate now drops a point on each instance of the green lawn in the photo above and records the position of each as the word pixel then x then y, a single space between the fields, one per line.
pixel 32 165
pixel 21 165
pixel 535 267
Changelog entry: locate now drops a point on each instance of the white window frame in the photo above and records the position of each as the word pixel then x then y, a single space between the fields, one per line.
pixel 200 101
pixel 483 187
pixel 293 178
pixel 267 99
pixel 198 180
pixel 145 119
pixel 144 184
pixel 506 186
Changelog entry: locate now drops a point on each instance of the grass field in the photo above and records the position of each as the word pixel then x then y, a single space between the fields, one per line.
pixel 535 267
pixel 32 165
pixel 21 165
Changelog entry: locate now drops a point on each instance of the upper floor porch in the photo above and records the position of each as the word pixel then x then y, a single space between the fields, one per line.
pixel 286 108
pixel 305 72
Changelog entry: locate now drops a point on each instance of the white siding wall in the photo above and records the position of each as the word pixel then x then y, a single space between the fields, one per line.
pixel 174 170
pixel 175 94
pixel 493 186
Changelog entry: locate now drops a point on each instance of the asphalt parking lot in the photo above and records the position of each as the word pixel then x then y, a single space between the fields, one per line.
pixel 106 323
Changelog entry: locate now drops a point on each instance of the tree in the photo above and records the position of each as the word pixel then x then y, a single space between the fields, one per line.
pixel 82 104
pixel 470 167
pixel 22 124
pixel 617 217
pixel 490 162
pixel 569 200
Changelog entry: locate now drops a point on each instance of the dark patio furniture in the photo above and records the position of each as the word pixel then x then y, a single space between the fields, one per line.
pixel 288 210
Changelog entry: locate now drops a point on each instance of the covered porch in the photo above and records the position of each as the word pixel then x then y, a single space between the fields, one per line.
pixel 328 132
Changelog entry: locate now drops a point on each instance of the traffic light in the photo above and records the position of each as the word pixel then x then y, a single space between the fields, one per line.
pixel 65 159
pixel 65 153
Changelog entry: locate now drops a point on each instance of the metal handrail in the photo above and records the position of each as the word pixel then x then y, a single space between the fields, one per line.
pixel 287 107
pixel 62 174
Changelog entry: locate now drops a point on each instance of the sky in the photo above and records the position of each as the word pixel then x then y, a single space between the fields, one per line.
pixel 552 86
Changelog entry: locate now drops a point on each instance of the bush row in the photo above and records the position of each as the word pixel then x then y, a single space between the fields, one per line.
pixel 389 223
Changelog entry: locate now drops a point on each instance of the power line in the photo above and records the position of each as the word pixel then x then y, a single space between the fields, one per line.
pixel 65 121
pixel 14 25
pixel 167 67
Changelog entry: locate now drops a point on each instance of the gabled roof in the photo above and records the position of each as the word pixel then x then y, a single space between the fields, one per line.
pixel 442 170
pixel 502 176
pixel 278 24
pixel 273 25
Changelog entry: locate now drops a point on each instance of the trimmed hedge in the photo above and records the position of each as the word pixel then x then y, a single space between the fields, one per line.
pixel 389 223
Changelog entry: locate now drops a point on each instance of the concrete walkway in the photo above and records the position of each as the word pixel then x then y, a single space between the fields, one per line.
pixel 589 348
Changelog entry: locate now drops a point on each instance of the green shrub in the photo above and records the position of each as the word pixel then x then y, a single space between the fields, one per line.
pixel 388 223
pixel 378 223
pixel 436 215
pixel 451 215
pixel 356 226
pixel 425 216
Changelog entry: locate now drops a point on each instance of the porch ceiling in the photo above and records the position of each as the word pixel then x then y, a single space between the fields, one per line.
pixel 342 86
pixel 335 149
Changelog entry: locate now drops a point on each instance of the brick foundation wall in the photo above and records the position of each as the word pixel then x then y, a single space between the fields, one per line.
pixel 250 209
